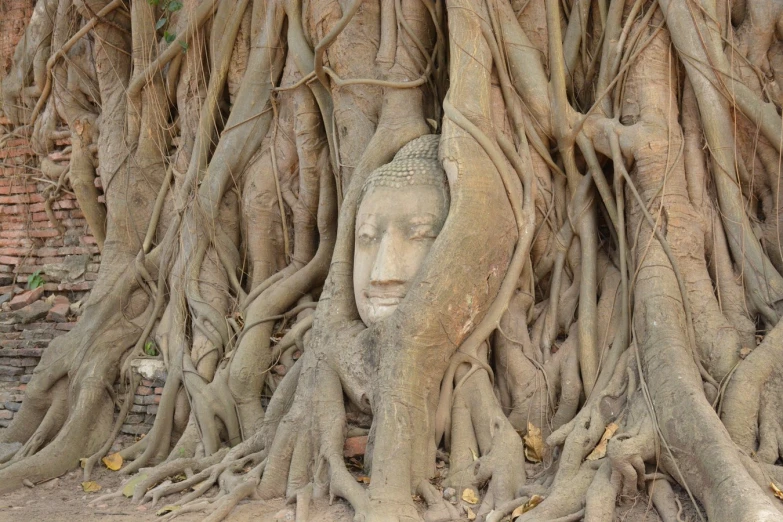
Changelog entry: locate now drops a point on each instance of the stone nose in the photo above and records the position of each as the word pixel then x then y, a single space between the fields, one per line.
pixel 389 266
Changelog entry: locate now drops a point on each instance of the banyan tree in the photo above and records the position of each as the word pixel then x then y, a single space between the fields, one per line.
pixel 535 242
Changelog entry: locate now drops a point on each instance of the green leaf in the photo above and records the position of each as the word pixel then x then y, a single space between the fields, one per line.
pixel 170 37
pixel 175 6
pixel 152 2
pixel 184 45
pixel 34 280
pixel 150 349
pixel 160 23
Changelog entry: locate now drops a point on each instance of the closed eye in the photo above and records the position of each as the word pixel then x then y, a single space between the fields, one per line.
pixel 422 232
pixel 366 234
pixel 366 238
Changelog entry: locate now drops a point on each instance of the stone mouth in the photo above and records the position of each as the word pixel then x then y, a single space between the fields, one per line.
pixel 383 301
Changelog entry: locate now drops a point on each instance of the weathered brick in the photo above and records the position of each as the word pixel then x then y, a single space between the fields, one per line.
pixel 24 299
pixel 134 419
pixel 355 446
pixel 24 199
pixel 47 232
pixel 23 188
pixel 64 204
pixel 14 251
pixel 65 326
pixel 9 371
pixel 144 400
pixel 6 415
pixel 32 312
pixel 144 390
pixel 59 313
pixel 46 334
pixel 43 216
pixel 21 352
pixel 76 287
pixel 135 429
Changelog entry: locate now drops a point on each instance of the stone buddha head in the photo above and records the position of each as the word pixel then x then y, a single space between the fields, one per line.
pixel 402 209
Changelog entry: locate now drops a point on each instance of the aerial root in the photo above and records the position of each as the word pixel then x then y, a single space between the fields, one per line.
pixel 666 503
pixel 438 509
pixel 500 512
pixel 220 473
pixel 89 465
pixel 234 487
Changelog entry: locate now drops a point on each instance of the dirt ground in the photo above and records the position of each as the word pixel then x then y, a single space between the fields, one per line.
pixel 63 500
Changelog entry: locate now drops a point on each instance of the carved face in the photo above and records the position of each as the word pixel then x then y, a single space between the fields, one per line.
pixel 395 229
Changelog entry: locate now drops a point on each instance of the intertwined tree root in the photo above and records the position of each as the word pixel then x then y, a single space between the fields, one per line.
pixel 604 297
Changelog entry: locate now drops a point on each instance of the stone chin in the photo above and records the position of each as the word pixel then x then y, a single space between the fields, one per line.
pixel 379 308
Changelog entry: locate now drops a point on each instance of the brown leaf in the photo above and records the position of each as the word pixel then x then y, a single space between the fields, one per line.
pixel 527 506
pixel 534 444
pixel 91 486
pixel 469 496
pixel 600 450
pixel 363 479
pixel 113 461
pixel 776 490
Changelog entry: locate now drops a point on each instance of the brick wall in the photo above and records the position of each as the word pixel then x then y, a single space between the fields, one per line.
pixel 14 15
pixel 29 243
pixel 68 265
pixel 66 262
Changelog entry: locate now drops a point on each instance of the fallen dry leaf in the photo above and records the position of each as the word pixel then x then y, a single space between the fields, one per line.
pixel 91 486
pixel 471 514
pixel 469 496
pixel 167 509
pixel 534 444
pixel 113 461
pixel 776 490
pixel 527 506
pixel 128 488
pixel 363 479
pixel 600 450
